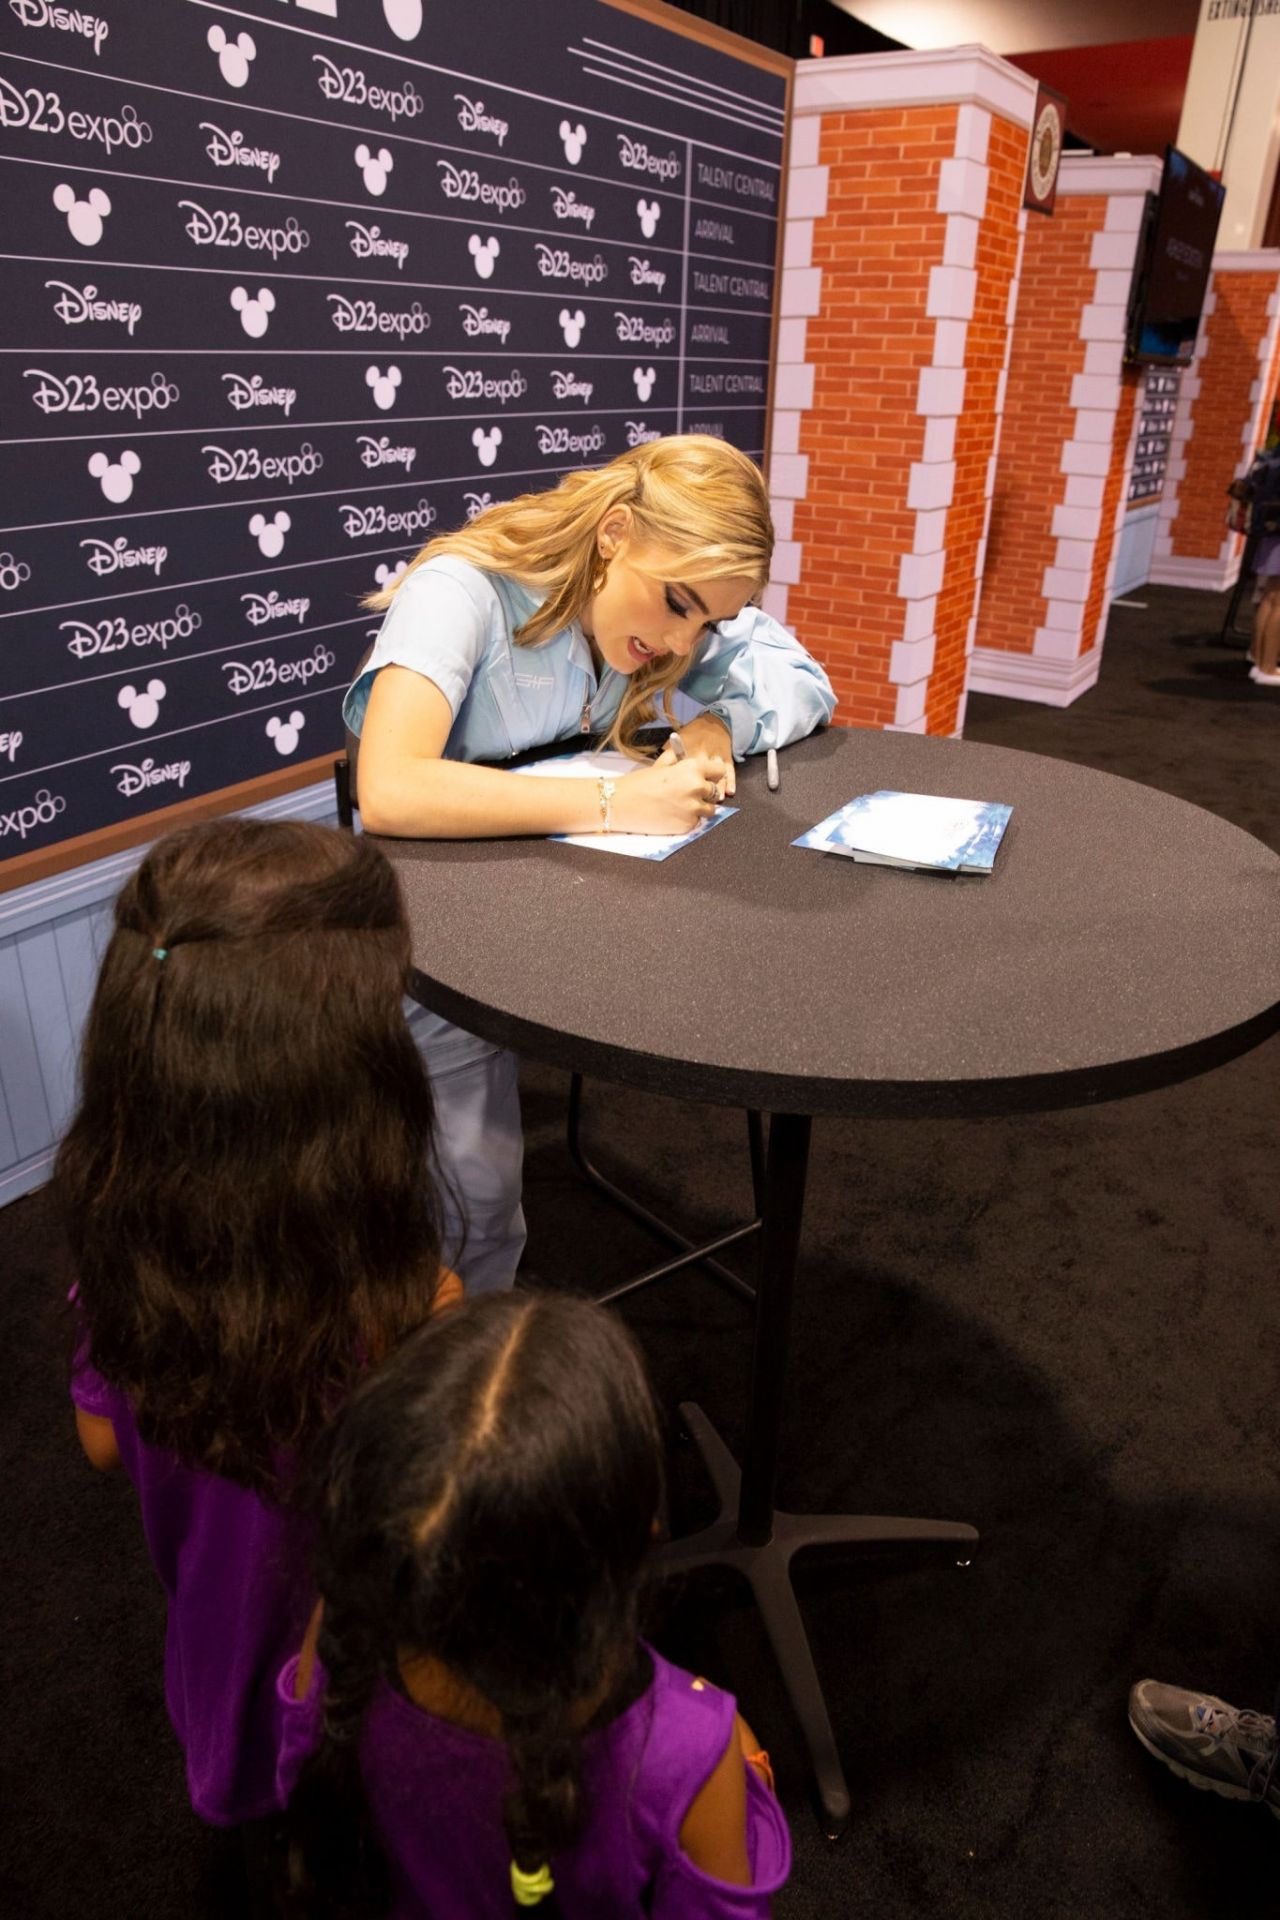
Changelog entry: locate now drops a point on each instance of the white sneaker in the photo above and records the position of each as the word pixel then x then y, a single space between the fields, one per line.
pixel 1261 679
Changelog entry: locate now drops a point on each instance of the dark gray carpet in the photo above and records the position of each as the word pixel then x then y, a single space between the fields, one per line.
pixel 1065 1328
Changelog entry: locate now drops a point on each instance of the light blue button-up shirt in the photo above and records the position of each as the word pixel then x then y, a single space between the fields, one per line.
pixel 454 623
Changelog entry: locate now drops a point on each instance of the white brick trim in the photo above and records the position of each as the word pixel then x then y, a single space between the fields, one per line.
pixel 1223 569
pixel 1023 676
pixel 1256 261
pixel 907 79
pixel 1096 396
pixel 1214 576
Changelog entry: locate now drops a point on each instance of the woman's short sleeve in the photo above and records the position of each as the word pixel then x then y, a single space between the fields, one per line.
pixel 440 624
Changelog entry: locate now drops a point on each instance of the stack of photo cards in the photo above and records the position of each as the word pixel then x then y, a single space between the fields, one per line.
pixel 615 766
pixel 924 831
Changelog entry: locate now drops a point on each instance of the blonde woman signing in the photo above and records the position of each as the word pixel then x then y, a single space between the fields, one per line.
pixel 560 613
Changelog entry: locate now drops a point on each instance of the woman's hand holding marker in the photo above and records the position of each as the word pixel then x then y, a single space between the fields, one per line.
pixel 705 733
pixel 671 796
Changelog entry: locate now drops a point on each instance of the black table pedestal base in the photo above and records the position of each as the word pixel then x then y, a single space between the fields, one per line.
pixel 768 1568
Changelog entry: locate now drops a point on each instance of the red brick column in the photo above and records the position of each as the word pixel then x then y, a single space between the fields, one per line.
pixel 1067 441
pixel 1224 403
pixel 904 226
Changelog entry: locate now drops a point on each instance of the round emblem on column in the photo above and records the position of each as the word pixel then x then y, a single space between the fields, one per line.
pixel 1047 129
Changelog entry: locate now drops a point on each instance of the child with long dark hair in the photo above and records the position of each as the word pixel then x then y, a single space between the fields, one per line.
pixel 474 1726
pixel 251 1226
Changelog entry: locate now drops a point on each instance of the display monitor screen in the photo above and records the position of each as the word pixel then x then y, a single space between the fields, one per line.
pixel 1175 271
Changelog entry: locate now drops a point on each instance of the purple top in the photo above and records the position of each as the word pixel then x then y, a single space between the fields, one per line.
pixel 237 1574
pixel 435 1792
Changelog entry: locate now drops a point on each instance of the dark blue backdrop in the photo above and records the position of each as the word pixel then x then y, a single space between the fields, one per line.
pixel 292 285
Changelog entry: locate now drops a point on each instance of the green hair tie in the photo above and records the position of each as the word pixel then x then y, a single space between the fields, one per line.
pixel 530 1888
pixel 159 953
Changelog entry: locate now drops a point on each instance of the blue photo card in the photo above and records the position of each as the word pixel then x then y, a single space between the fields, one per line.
pixel 927 831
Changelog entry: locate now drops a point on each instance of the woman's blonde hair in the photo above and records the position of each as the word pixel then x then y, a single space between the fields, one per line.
pixel 696 497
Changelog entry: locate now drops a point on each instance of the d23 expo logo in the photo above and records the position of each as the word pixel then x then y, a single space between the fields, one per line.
pixel 473 383
pixel 238 465
pixel 464 183
pixel 88 639
pixel 362 523
pixel 637 157
pixel 82 393
pixel 638 330
pixel 366 316
pixel 352 87
pixel 223 227
pixel 567 442
pixel 40 110
pixel 257 676
pixel 557 263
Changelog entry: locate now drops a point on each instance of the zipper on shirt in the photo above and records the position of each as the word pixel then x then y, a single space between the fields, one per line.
pixel 585 726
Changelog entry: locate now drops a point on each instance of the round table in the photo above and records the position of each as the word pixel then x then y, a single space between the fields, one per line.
pixel 1125 940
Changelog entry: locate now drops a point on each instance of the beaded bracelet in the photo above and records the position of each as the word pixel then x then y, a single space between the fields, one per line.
pixel 607 790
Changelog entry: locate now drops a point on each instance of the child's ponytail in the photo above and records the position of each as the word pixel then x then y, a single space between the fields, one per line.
pixel 543 1810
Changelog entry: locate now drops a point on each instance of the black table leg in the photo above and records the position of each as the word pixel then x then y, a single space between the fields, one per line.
pixel 750 1534
pixel 689 1254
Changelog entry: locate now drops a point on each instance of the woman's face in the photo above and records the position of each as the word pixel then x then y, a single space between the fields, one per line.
pixel 648 609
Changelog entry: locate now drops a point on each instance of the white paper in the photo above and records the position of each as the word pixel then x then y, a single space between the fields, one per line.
pixel 606 763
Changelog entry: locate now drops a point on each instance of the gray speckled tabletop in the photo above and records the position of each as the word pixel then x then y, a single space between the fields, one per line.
pixel 1125 940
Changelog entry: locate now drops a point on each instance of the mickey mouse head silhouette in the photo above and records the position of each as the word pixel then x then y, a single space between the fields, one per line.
pixel 644 378
pixel 84 217
pixel 574 139
pixel 487 444
pixel 383 386
pixel 571 325
pixel 270 534
pixel 253 313
pixel 117 479
pixel 142 708
pixel 233 56
pixel 387 576
pixel 285 732
pixel 375 167
pixel 484 253
pixel 648 211
pixel 404 17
